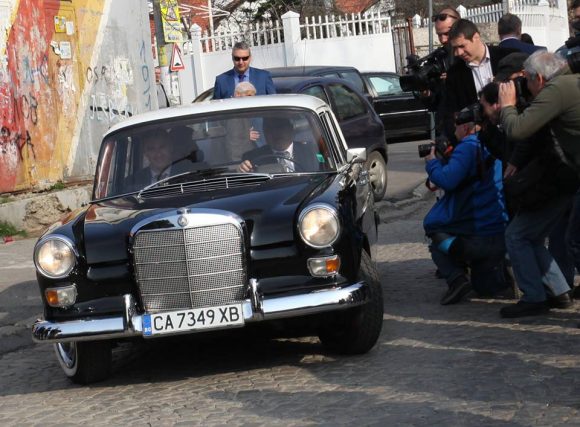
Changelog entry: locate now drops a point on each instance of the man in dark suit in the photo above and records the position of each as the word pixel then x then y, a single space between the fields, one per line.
pixel 509 28
pixel 164 158
pixel 281 149
pixel 468 76
pixel 226 83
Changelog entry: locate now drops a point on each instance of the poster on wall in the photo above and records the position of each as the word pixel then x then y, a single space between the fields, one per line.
pixel 171 21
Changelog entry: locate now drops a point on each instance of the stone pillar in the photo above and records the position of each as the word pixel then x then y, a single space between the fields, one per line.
pixel 291 25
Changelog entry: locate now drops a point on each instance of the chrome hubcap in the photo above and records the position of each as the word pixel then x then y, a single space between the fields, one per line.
pixel 67 353
pixel 377 176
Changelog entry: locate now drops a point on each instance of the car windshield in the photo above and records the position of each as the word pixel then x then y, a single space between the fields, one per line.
pixel 272 141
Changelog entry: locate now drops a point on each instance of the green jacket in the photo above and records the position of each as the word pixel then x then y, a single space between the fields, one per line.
pixel 557 104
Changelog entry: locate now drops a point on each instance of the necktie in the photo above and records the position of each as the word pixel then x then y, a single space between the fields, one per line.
pixel 241 77
pixel 285 159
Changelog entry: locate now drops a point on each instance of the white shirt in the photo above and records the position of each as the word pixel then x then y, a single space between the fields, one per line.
pixel 482 73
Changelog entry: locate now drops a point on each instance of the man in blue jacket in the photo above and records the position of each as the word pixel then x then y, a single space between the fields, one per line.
pixel 466 226
pixel 226 83
pixel 509 28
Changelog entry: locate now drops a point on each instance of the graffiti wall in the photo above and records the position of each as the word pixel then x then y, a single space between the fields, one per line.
pixel 69 70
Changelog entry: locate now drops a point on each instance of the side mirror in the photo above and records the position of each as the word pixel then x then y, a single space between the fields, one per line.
pixel 356 155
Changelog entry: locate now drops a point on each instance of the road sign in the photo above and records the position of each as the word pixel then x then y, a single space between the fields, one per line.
pixel 176 59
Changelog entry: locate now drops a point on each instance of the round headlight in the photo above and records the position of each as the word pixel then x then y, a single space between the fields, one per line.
pixel 54 257
pixel 319 226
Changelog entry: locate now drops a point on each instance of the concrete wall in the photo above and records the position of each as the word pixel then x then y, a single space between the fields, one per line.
pixel 68 70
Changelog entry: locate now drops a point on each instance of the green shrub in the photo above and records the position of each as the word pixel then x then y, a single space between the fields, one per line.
pixel 59 185
pixel 7 229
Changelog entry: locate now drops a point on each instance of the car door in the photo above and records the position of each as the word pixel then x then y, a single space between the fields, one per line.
pixel 355 116
pixel 400 112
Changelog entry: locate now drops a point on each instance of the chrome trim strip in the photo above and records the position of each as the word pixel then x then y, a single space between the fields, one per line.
pixel 403 112
pixel 131 324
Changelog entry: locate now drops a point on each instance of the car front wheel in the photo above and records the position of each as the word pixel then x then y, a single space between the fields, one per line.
pixel 378 174
pixel 356 331
pixel 85 362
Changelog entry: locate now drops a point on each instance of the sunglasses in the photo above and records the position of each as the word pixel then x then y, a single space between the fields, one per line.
pixel 240 58
pixel 442 17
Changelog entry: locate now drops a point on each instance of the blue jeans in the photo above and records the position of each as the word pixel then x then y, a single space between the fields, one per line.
pixel 484 255
pixel 559 246
pixel 532 263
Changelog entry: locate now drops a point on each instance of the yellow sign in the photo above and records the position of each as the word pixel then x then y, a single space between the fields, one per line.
pixel 171 21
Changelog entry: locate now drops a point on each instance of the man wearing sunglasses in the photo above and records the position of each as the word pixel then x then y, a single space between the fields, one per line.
pixel 226 83
pixel 444 20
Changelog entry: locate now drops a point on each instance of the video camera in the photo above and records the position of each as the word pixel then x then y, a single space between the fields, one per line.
pixel 425 73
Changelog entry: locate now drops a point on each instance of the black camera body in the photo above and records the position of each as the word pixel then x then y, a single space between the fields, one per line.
pixel 425 73
pixel 442 148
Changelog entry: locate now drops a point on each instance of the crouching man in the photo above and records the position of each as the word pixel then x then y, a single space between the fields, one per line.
pixel 466 225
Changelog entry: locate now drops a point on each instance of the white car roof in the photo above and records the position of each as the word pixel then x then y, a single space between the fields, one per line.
pixel 289 100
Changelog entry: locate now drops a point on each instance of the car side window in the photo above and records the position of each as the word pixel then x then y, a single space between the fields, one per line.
pixel 386 85
pixel 348 103
pixel 355 79
pixel 318 92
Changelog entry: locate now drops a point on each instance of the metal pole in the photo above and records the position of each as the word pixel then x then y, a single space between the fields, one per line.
pixel 210 17
pixel 163 49
pixel 431 114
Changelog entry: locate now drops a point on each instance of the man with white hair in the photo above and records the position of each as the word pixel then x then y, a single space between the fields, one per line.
pixel 556 105
pixel 556 101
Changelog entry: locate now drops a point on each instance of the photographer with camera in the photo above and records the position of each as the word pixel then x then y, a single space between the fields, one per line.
pixel 556 102
pixel 466 225
pixel 537 199
pixel 426 78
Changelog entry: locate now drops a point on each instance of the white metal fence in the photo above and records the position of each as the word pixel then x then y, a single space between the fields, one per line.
pixel 363 40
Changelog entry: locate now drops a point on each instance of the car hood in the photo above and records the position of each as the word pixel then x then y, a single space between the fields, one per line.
pixel 270 211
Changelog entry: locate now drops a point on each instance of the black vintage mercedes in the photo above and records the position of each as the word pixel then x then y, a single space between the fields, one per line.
pixel 214 216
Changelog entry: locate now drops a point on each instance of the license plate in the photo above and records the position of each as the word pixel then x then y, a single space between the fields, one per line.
pixel 193 319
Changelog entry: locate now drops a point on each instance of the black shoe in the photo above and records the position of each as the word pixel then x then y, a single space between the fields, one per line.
pixel 457 290
pixel 523 308
pixel 576 292
pixel 561 301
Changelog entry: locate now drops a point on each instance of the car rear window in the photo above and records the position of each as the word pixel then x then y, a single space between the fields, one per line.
pixel 316 91
pixel 353 78
pixel 348 103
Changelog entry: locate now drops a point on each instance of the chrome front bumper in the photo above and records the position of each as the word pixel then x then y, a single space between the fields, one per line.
pixel 255 309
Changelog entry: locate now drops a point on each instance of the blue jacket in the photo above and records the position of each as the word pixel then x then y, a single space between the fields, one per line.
pixel 261 79
pixel 520 46
pixel 470 206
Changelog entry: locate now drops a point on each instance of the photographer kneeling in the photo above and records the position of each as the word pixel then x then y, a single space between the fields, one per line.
pixel 466 225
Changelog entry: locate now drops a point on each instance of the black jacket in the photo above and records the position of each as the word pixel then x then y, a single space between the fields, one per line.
pixel 460 87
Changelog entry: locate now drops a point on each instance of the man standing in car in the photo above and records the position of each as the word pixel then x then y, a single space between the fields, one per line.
pixel 226 83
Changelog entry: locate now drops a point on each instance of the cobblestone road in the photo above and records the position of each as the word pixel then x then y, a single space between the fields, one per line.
pixel 458 365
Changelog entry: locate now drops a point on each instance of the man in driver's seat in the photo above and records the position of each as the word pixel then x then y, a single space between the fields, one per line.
pixel 281 149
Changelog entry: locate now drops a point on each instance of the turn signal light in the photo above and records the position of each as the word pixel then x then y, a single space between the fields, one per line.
pixel 324 266
pixel 62 296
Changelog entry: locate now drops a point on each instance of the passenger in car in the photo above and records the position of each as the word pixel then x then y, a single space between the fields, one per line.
pixel 243 133
pixel 282 149
pixel 162 158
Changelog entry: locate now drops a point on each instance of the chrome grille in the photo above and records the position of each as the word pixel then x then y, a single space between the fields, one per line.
pixel 189 268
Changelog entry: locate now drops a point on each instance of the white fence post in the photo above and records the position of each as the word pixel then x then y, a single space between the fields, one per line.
pixel 291 24
pixel 461 10
pixel 196 59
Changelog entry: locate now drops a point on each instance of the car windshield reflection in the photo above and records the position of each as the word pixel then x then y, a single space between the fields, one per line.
pixel 274 141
